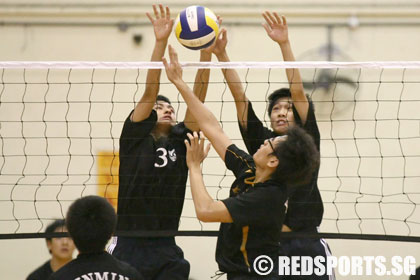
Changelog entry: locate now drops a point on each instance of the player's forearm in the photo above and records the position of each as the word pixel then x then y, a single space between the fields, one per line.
pixel 153 75
pixel 148 99
pixel 296 86
pixel 238 93
pixel 206 208
pixel 205 119
pixel 233 80
pixel 202 78
pixel 200 90
pixel 293 74
pixel 202 199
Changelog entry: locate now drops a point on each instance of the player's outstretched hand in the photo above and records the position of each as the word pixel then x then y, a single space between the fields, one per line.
pixel 221 42
pixel 162 22
pixel 196 152
pixel 276 27
pixel 173 68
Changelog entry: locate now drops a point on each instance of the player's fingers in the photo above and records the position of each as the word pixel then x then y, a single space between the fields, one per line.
pixel 195 137
pixel 271 17
pixel 171 53
pixel 219 35
pixel 219 20
pixel 168 13
pixel 150 17
pixel 224 34
pixel 202 140
pixel 162 11
pixel 187 144
pixel 267 19
pixel 155 12
pixel 265 25
pixel 190 136
pixel 206 151
pixel 174 55
pixel 278 19
pixel 165 62
pixel 284 20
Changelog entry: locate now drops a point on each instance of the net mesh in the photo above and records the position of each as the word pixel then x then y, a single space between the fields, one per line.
pixel 61 123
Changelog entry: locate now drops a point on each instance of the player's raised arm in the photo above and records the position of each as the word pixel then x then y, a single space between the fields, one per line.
pixel 205 119
pixel 162 26
pixel 206 208
pixel 277 30
pixel 233 80
pixel 201 82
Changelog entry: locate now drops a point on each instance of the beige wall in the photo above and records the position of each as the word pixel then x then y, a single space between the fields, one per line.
pixel 47 37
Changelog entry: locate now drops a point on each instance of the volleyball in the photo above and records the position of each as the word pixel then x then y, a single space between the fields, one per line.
pixel 196 27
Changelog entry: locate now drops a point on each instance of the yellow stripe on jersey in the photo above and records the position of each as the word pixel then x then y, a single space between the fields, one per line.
pixel 243 245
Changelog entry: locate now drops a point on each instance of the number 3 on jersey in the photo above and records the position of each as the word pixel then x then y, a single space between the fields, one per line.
pixel 163 155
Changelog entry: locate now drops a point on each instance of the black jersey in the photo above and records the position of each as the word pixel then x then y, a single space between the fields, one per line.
pixel 96 266
pixel 41 273
pixel 257 212
pixel 152 176
pixel 305 208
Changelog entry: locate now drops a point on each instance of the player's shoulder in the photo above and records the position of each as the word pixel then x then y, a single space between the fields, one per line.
pixel 41 272
pixel 274 189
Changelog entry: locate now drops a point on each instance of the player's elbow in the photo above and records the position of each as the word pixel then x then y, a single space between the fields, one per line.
pixel 215 212
pixel 204 215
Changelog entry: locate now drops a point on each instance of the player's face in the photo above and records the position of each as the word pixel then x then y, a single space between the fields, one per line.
pixel 165 112
pixel 282 115
pixel 263 155
pixel 61 248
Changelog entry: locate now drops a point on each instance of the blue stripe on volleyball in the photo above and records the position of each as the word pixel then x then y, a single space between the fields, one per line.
pixel 183 21
pixel 187 35
pixel 203 28
pixel 201 47
pixel 201 17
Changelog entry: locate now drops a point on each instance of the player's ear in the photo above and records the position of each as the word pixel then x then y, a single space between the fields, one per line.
pixel 273 161
pixel 49 245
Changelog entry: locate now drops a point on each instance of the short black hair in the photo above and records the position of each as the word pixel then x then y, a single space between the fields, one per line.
pixel 298 158
pixel 163 98
pixel 281 93
pixel 91 221
pixel 52 227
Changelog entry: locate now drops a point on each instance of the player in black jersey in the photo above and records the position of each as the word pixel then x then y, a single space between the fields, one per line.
pixel 153 171
pixel 288 107
pixel 60 248
pixel 91 221
pixel 252 217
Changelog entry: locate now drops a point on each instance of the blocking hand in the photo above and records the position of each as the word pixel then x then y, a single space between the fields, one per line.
pixel 276 27
pixel 162 23
pixel 196 152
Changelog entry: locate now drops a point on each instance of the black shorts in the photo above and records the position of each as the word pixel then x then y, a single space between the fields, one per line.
pixel 311 247
pixel 154 258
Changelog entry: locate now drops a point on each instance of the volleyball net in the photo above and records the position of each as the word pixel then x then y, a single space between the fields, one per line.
pixel 61 123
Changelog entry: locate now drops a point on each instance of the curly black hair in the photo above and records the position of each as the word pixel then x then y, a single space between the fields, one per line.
pixel 298 158
pixel 91 221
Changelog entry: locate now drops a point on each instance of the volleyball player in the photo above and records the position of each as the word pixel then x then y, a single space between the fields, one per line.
pixel 60 248
pixel 288 107
pixel 91 221
pixel 153 171
pixel 252 217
